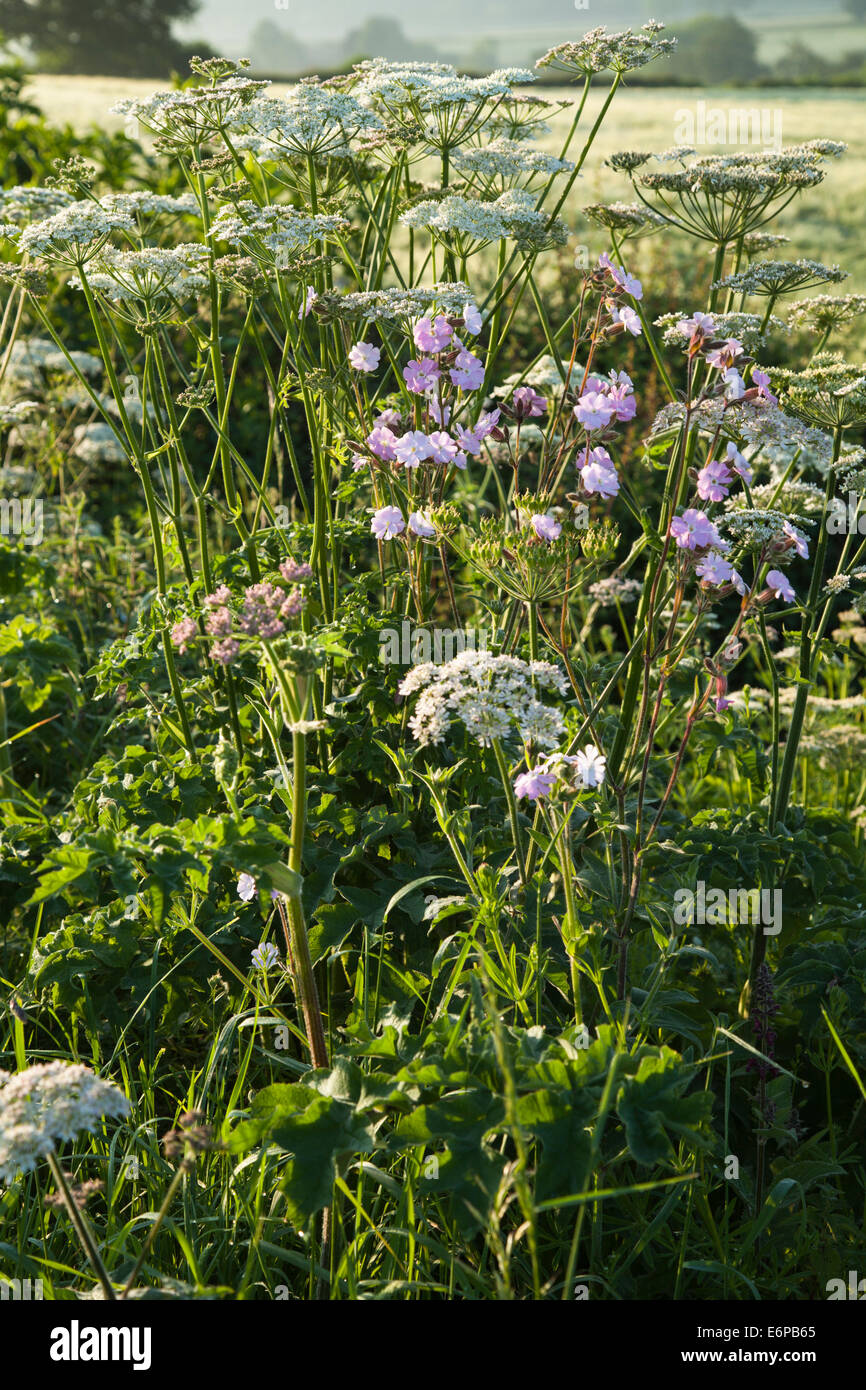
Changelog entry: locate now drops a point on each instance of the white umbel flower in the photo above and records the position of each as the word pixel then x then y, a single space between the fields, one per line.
pixel 75 234
pixel 46 1104
pixel 310 120
pixel 512 214
pixel 492 696
pixel 276 231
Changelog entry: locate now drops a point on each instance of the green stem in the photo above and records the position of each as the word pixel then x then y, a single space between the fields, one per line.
pixel 512 809
pixel 808 632
pixel 82 1228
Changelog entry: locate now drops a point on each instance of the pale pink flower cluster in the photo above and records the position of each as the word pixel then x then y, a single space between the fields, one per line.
pixel 622 316
pixel 604 402
pixel 444 366
pixel 387 524
pixel 265 609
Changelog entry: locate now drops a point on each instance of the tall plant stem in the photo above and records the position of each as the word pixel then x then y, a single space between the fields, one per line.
pixel 809 627
pixel 292 915
pixel 81 1227
pixel 512 810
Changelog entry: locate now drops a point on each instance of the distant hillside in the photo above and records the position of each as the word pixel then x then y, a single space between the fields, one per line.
pixel 226 24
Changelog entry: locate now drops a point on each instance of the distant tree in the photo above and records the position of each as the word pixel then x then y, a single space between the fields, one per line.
pixel 856 8
pixel 98 37
pixel 379 37
pixel 274 50
pixel 799 63
pixel 481 57
pixel 712 48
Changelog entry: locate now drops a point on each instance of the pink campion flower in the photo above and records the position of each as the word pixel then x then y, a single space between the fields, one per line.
pixel 546 528
pixel 630 283
pixel 391 419
pixel 735 387
pixel 619 389
pixel 382 441
pixel 387 522
pixel 628 318
pixel 487 421
pixel 738 462
pixel 472 320
pixel 596 478
pixel 591 763
pixel 421 525
pixel 247 888
pixel 620 379
pixel 364 357
pixel 442 447
pixel 762 381
pixel 527 404
pixel 714 481
pixel 694 530
pixel 739 583
pixel 534 785
pixel 725 356
pixel 620 276
pixel 413 448
pixel 460 460
pixel 700 325
pixel 722 703
pixel 421 376
pixel 182 633
pixel 432 335
pixel 780 585
pixel 801 542
pixel 468 371
pixel 623 400
pixel 309 300
pixel 714 568
pixel 359 462
pixel 440 413
pixel 594 411
pixel 469 440
pixel 600 456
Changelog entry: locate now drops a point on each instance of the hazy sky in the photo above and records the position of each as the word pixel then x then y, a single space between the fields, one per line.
pixel 226 21
pixel 226 24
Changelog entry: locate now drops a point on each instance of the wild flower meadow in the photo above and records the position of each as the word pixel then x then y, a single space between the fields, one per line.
pixel 432 707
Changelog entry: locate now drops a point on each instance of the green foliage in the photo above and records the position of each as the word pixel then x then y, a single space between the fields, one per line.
pixel 93 36
pixel 446 1093
pixel 394 1024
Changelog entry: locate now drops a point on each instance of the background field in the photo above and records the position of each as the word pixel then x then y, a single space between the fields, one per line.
pixel 822 224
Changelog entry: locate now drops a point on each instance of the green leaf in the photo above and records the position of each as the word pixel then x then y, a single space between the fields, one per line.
pixel 652 1103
